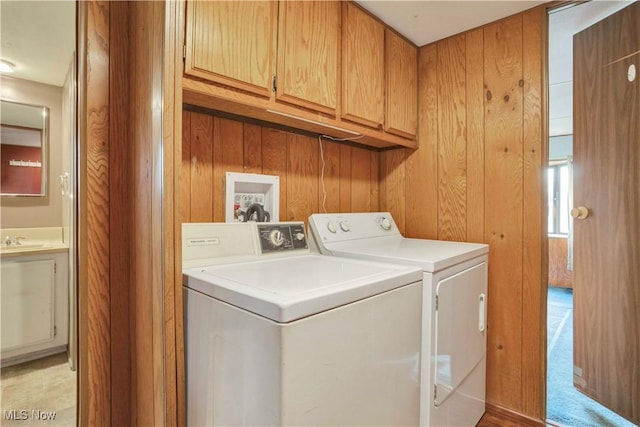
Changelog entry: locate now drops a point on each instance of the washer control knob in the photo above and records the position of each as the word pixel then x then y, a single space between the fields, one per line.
pixel 385 223
pixel 276 237
pixel 299 236
pixel 331 226
pixel 344 226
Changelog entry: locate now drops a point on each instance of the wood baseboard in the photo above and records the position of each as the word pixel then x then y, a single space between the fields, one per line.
pixel 497 416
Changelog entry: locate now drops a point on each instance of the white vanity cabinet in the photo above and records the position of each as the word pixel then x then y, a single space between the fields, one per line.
pixel 34 306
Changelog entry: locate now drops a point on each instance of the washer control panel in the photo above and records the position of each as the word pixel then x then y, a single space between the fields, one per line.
pixel 279 237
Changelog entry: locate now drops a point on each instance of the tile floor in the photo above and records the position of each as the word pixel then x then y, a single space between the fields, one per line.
pixel 39 393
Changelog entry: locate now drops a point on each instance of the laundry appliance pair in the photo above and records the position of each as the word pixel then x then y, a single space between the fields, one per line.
pixel 277 334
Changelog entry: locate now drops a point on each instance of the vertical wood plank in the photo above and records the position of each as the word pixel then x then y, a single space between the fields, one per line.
pixel 174 378
pixel 83 258
pixel 148 186
pixel 120 155
pixel 228 138
pixel 535 271
pixel 201 167
pixel 422 164
pixel 393 181
pixel 252 144
pixel 217 187
pixel 331 181
pixel 345 178
pixel 274 162
pixel 503 208
pixel 374 181
pixel 360 180
pixel 159 182
pixel 302 179
pixel 94 180
pixel 229 134
pixel 185 175
pixel 475 136
pixel 452 135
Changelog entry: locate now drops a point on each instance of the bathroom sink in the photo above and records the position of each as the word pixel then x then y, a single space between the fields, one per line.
pixel 21 247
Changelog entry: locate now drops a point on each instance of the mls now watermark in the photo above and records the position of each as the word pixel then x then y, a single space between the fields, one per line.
pixel 24 415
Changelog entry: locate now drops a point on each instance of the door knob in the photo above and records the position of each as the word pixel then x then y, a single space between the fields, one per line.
pixel 580 212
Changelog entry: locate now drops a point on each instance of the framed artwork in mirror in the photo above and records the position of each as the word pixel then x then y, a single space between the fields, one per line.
pixel 24 138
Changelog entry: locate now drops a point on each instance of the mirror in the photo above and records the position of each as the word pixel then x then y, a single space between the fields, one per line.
pixel 23 142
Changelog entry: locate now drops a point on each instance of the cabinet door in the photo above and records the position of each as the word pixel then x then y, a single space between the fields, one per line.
pixel 27 298
pixel 232 43
pixel 308 49
pixel 402 89
pixel 362 67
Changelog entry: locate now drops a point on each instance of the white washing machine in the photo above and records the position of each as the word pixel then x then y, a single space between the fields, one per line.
pixel 454 304
pixel 277 335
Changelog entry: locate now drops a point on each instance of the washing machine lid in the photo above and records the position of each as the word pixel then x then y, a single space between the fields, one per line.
pixel 430 255
pixel 286 289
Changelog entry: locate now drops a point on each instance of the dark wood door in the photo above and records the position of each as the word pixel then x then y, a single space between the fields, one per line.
pixel 607 241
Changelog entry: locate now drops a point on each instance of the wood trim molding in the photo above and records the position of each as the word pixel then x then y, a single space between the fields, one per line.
pixel 94 317
pixel 127 362
pixel 175 394
pixel 510 416
pixel 120 215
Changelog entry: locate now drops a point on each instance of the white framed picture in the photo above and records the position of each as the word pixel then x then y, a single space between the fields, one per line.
pixel 252 197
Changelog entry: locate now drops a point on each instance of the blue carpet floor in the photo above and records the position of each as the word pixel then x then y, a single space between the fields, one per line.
pixel 565 405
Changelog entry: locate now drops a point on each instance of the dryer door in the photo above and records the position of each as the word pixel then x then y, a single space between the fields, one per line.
pixel 459 358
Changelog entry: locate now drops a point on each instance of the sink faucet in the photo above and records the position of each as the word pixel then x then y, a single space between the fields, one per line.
pixel 8 241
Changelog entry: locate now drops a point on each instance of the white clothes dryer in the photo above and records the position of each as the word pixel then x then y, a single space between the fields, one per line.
pixel 454 306
pixel 277 335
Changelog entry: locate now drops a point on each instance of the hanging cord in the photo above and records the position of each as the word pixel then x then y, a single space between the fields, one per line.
pixel 324 190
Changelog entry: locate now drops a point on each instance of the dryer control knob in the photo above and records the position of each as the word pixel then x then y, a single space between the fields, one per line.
pixel 344 226
pixel 276 237
pixel 331 226
pixel 385 223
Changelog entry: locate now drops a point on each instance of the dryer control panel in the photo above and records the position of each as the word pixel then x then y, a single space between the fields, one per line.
pixel 279 237
pixel 341 227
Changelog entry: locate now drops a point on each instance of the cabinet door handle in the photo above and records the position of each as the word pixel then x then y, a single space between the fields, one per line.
pixel 481 312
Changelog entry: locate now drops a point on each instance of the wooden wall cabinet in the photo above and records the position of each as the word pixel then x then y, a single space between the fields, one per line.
pixel 232 43
pixel 362 67
pixel 329 69
pixel 401 104
pixel 308 54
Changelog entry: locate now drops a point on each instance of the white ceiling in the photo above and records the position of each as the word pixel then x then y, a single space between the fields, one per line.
pixel 424 22
pixel 38 37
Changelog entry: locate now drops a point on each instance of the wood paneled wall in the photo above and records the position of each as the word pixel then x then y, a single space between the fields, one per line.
pixel 478 176
pixel 212 146
pixel 558 255
pixel 127 328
